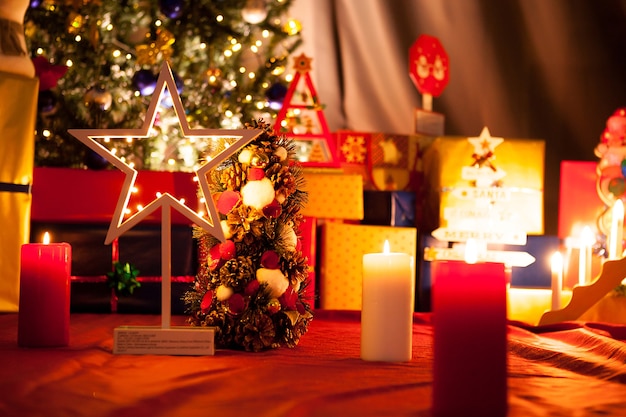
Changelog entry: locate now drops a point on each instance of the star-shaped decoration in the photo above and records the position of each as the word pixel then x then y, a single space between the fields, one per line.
pixel 302 63
pixel 164 201
pixel 485 143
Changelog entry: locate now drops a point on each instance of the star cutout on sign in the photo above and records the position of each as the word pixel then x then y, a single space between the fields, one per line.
pixel 166 201
pixel 302 63
pixel 484 143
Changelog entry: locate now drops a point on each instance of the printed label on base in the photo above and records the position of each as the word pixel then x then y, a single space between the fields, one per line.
pixel 150 340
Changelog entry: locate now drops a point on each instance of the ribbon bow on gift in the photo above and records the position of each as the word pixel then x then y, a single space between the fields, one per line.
pixel 147 54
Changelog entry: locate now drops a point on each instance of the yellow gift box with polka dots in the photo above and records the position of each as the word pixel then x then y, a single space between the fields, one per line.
pixel 342 249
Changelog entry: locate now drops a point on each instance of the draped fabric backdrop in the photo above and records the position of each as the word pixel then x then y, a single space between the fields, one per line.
pixel 547 69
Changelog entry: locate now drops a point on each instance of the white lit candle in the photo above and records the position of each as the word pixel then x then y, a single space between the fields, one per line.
pixel 387 308
pixel 557 280
pixel 584 257
pixel 616 233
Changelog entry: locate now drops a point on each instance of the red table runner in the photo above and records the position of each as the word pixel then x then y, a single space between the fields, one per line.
pixel 570 369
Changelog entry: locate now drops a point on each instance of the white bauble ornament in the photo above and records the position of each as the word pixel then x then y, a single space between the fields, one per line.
pixel 258 194
pixel 276 281
pixel 223 292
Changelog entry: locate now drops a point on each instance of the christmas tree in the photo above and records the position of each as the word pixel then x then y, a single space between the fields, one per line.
pixel 252 286
pixel 98 62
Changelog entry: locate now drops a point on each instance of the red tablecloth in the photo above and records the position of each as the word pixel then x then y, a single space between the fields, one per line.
pixel 570 369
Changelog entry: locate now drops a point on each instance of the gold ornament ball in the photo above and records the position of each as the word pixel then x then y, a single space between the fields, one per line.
pixel 259 160
pixel 292 27
pixel 99 97
pixel 273 306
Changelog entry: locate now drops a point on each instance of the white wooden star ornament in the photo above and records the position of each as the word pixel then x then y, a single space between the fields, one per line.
pixel 118 225
pixel 485 143
pixel 165 201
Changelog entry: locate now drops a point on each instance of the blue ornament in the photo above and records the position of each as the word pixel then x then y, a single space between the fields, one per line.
pixel 172 8
pixel 95 161
pixel 35 3
pixel 623 166
pixel 46 102
pixel 145 81
pixel 166 101
pixel 276 95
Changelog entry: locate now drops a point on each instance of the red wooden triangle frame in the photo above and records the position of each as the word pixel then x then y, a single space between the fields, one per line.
pixel 324 135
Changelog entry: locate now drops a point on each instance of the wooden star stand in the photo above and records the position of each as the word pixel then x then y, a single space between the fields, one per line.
pixel 164 340
pixel 585 296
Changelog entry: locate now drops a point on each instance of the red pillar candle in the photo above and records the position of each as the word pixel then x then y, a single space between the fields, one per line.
pixel 44 307
pixel 470 339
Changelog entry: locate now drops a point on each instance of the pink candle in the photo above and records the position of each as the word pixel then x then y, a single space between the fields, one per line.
pixel 470 342
pixel 44 308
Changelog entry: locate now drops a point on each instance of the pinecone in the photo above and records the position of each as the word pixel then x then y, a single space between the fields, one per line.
pixel 256 332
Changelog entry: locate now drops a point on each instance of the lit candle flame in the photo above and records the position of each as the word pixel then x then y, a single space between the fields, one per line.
pixel 557 262
pixel 471 251
pixel 386 249
pixel 46 238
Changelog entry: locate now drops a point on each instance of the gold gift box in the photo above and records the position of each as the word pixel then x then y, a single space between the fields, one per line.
pixel 333 195
pixel 522 160
pixel 343 247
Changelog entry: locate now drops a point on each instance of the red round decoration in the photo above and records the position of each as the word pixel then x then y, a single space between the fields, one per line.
pixel 273 209
pixel 429 66
pixel 207 300
pixel 252 287
pixel 255 174
pixel 215 257
pixel 236 304
pixel 270 259
pixel 289 298
pixel 227 201
pixel 227 250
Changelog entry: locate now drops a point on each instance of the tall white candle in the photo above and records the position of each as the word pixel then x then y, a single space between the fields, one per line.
pixel 387 307
pixel 584 257
pixel 616 233
pixel 557 280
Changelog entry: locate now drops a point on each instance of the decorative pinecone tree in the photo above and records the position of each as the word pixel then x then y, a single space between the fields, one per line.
pixel 98 63
pixel 251 287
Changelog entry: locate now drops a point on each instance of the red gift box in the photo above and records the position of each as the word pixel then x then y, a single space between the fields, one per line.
pixel 387 162
pixel 76 195
pixel 579 203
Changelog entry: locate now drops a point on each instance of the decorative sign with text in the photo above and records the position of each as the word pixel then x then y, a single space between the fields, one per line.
pixel 487 219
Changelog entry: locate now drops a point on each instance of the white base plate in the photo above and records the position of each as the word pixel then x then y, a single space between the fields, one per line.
pixel 151 340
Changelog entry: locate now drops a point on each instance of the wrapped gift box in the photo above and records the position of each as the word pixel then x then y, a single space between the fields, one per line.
pixel 308 237
pixel 529 304
pixel 342 250
pixel 17 147
pixel 87 196
pixel 429 122
pixel 140 246
pixel 333 194
pixel 389 208
pixel 92 295
pixel 579 203
pixel 388 162
pixel 522 160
